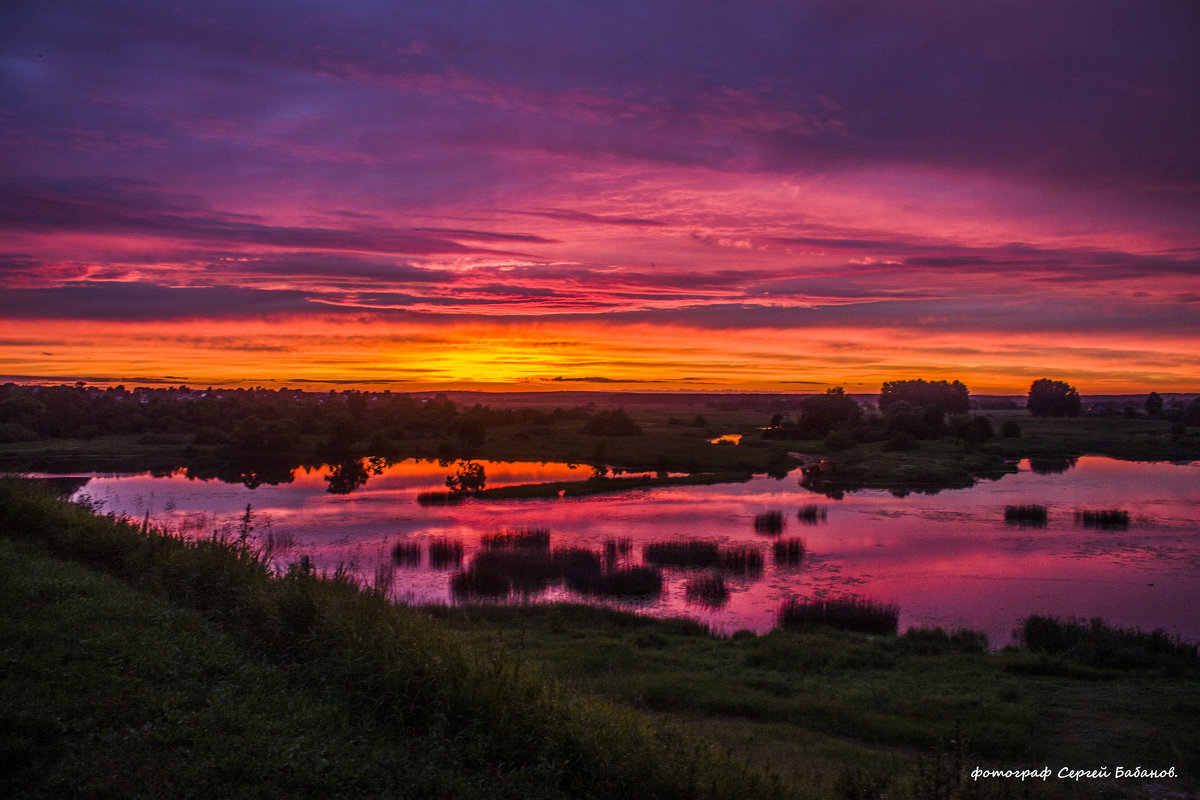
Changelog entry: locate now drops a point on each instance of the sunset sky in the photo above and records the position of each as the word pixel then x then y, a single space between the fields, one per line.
pixel 619 195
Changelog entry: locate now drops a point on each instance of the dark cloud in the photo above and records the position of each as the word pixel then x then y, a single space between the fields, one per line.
pixel 142 302
pixel 126 208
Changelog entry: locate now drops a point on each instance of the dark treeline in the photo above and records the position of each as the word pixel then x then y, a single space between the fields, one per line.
pixel 254 421
pixel 910 410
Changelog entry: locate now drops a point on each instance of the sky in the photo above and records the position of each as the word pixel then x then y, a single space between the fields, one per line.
pixel 701 196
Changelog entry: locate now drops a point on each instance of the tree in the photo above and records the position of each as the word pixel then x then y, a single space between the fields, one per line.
pixel 951 398
pixel 822 413
pixel 1154 404
pixel 1049 398
pixel 468 478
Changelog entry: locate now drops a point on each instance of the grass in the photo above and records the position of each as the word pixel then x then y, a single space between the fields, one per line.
pixel 812 514
pixel 843 613
pixel 407 554
pixel 445 553
pixel 151 666
pixel 1097 644
pixel 1108 518
pixel 1035 515
pixel 685 554
pixel 146 666
pixel 788 552
pixel 769 523
pixel 708 589
pixel 834 711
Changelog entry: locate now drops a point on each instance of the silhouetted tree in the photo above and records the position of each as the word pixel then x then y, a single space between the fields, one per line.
pixel 612 423
pixel 1049 398
pixel 951 398
pixel 469 477
pixel 822 413
pixel 1154 404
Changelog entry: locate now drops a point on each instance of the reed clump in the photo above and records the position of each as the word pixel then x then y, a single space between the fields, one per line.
pixel 708 589
pixel 1035 515
pixel 437 498
pixel 523 539
pixel 769 522
pixel 445 553
pixel 789 552
pixel 742 560
pixel 624 582
pixel 1103 518
pixel 407 554
pixel 844 613
pixel 812 514
pixel 686 553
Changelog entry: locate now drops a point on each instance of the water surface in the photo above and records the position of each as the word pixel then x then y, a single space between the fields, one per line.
pixel 946 559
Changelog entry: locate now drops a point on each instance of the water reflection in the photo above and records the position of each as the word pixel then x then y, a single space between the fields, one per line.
pixel 947 559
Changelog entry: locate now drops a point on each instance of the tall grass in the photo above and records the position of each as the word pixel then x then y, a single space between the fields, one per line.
pixel 789 552
pixel 769 522
pixel 445 553
pixel 708 589
pixel 523 539
pixel 844 613
pixel 742 560
pixel 811 514
pixel 1098 644
pixel 407 554
pixel 1108 518
pixel 686 553
pixel 1033 515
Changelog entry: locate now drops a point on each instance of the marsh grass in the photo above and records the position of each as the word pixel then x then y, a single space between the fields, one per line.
pixel 789 552
pixel 708 589
pixel 523 539
pixel 445 553
pixel 615 549
pixel 1032 515
pixel 811 514
pixel 843 613
pixel 1097 644
pixel 622 582
pixel 685 554
pixel 407 554
pixel 1108 518
pixel 742 560
pixel 439 498
pixel 769 523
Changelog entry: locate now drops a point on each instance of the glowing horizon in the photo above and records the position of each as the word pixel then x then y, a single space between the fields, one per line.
pixel 531 198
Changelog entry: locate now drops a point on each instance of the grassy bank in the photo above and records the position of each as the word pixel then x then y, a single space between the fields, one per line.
pixel 332 689
pixel 136 664
pixel 843 715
